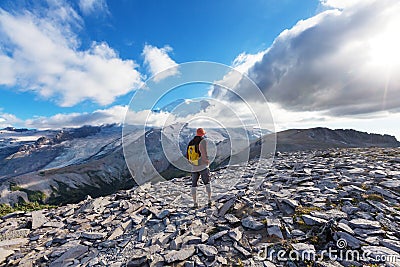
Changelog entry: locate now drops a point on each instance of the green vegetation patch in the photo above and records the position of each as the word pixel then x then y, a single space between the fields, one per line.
pixel 23 206
pixel 301 210
pixel 374 197
pixel 33 196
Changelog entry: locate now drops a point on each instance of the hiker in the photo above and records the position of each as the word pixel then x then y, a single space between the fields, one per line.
pixel 197 156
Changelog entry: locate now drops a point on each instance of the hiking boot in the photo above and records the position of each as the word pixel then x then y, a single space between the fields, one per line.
pixel 195 205
pixel 210 204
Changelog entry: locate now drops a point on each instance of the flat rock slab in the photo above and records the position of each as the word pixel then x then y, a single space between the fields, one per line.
pixel 94 235
pixel 4 253
pixel 235 234
pixel 273 222
pixel 391 183
pixel 351 241
pixel 242 250
pixel 303 247
pixel 346 228
pixel 11 234
pixel 13 243
pixel 209 251
pixel 179 255
pixel 310 220
pixel 365 224
pixel 329 214
pixel 116 233
pixel 275 231
pixel 227 205
pixel 231 218
pixel 251 223
pixel 291 202
pixel 384 192
pixel 376 252
pixel 38 219
pixel 391 244
pixel 53 224
pixel 69 256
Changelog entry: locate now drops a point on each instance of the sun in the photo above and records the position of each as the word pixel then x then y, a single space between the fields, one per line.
pixel 384 48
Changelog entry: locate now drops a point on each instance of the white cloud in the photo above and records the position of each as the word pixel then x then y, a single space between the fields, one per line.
pixel 159 62
pixel 7 120
pixel 89 7
pixel 243 62
pixel 42 54
pixel 111 115
pixel 341 62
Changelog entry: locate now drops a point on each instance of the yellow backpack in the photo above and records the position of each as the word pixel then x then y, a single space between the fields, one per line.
pixel 192 155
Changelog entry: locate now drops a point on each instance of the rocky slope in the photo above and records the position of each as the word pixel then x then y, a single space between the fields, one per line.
pixel 338 200
pixel 323 138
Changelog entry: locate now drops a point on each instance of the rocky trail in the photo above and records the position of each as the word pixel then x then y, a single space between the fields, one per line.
pixel 306 204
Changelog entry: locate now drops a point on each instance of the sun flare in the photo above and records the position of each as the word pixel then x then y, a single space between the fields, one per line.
pixel 385 47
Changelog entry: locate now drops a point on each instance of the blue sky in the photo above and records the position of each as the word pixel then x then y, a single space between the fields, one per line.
pixel 336 60
pixel 208 30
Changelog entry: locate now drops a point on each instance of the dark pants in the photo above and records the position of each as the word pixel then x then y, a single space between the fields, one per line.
pixel 205 176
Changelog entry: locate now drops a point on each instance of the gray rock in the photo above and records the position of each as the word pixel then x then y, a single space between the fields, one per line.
pixel 291 202
pixel 384 192
pixel 191 240
pixel 11 234
pixel 227 205
pixel 368 232
pixel 94 235
pixel 142 234
pixel 251 223
pixel 351 241
pixel 376 252
pixel 235 234
pixel 179 255
pixel 222 260
pixel 391 244
pixel 4 253
pixel 310 220
pixel 297 232
pixel 137 260
pixel 242 250
pixel 328 264
pixel 163 214
pixel 38 219
pixel 137 218
pixel 69 255
pixel 273 222
pixel 329 214
pixel 350 209
pixel 214 237
pixel 275 231
pixel 13 243
pixel 209 251
pixel 53 224
pixel 391 183
pixel 116 233
pixel 304 248
pixel 176 243
pixel 346 228
pixel 231 218
pixel 365 224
